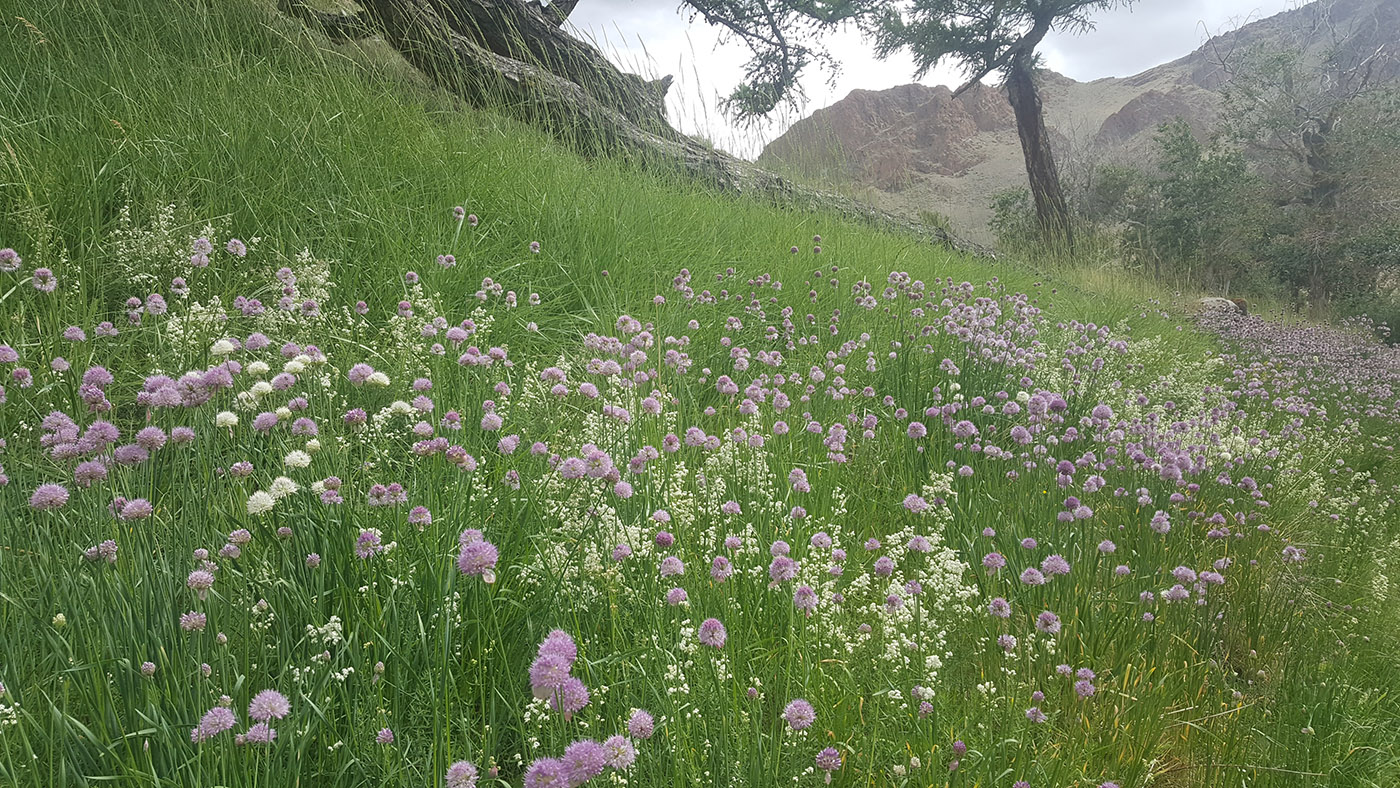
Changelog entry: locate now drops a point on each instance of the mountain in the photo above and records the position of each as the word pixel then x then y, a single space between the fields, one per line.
pixel 915 148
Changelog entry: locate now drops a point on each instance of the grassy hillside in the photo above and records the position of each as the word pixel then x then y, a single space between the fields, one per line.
pixel 261 436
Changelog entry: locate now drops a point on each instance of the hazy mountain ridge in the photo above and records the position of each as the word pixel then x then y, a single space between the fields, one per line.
pixel 916 148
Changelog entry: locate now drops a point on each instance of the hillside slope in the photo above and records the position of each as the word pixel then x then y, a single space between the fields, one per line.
pixel 350 437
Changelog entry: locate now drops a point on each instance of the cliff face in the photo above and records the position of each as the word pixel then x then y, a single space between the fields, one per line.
pixel 885 138
pixel 915 148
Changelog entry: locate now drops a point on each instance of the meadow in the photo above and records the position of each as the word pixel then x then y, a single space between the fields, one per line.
pixel 352 437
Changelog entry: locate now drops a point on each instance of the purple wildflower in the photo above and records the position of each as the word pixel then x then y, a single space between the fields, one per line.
pixel 800 714
pixel 619 753
pixel 461 774
pixel 215 721
pixel 269 704
pixel 712 633
pixel 48 497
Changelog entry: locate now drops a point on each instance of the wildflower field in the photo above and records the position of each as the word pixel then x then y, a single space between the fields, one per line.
pixel 349 437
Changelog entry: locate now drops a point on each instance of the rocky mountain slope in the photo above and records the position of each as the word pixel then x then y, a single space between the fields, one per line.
pixel 915 148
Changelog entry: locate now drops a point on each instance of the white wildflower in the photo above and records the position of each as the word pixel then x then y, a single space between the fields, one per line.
pixel 260 503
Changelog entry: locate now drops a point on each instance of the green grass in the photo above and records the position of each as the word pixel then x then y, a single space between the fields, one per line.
pixel 110 112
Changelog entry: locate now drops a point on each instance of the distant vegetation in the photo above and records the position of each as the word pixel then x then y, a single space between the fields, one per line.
pixel 1295 197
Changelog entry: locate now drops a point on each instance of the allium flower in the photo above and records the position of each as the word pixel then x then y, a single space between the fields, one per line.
pixel 1007 642
pixel 618 753
pixel 1032 577
pixel 999 607
pixel 48 497
pixel 44 281
pixel 138 509
pixel 1048 622
pixel 676 596
pixel 369 544
pixel 193 622
pixel 799 714
pixel 130 454
pixel 260 503
pixel 461 774
pixel 640 725
pixel 584 760
pixel 215 721
pixel 200 581
pixel 151 438
pixel 281 487
pixel 546 773
pixel 258 733
pixel 559 643
pixel 712 633
pixel 1054 565
pixel 993 561
pixel 828 760
pixel 621 552
pixel 385 736
pixel 571 697
pixel 782 569
pixel 269 704
pixel 478 558
pixel 10 261
pixel 548 673
pixel 148 669
pixel 671 566
pixel 805 599
pixel 1084 688
pixel 1184 574
pixel 721 569
pixel 1176 593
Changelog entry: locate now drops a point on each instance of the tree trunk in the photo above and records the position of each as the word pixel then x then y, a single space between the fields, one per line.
pixel 510 55
pixel 1051 212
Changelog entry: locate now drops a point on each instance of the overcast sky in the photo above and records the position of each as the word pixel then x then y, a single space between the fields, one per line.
pixel 653 37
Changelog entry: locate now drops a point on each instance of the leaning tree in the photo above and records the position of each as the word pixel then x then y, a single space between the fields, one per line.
pixel 985 37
